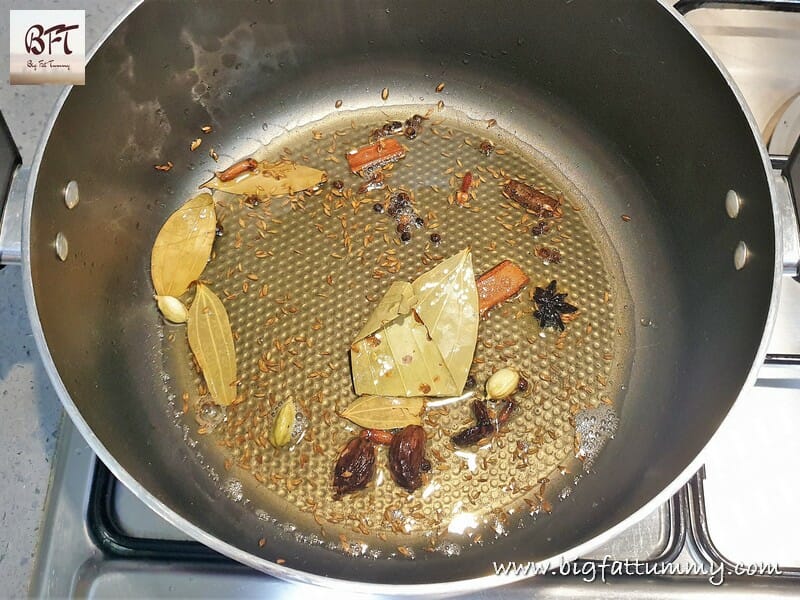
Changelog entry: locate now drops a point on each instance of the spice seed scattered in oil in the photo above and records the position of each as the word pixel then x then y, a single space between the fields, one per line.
pixel 385 261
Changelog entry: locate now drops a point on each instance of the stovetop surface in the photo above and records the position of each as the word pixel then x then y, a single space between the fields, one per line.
pixel 738 512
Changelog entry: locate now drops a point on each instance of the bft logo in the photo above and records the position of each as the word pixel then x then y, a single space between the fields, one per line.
pixel 47 46
pixel 37 35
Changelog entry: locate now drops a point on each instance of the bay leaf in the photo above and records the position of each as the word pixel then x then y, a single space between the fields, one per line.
pixel 382 412
pixel 183 246
pixel 420 339
pixel 401 359
pixel 397 301
pixel 270 179
pixel 211 341
pixel 447 302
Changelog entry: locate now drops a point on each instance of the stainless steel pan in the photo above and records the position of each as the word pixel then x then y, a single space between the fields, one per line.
pixel 620 98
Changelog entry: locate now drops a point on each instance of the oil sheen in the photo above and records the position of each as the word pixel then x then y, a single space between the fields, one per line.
pixel 300 275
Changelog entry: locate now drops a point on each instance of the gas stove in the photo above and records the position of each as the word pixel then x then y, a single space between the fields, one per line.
pixel 731 528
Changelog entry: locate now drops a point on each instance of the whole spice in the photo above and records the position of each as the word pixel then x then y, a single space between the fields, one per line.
pixel 400 208
pixel 505 412
pixel 540 228
pixel 183 246
pixel 502 384
pixel 383 412
pixel 236 169
pixel 482 429
pixel 484 425
pixel 498 284
pixel 378 436
pixel 550 306
pixel 549 255
pixel 390 128
pixel 376 181
pixel 368 159
pixel 165 167
pixel 211 342
pixel 537 202
pixel 430 353
pixel 486 147
pixel 462 196
pixel 355 467
pixel 413 126
pixel 173 309
pixel 280 433
pixel 265 179
pixel 407 459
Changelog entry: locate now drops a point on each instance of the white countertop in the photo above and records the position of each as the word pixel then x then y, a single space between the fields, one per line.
pixel 30 412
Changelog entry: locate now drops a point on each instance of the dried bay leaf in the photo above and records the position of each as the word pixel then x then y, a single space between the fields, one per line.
pixel 270 179
pixel 447 302
pixel 183 246
pixel 211 341
pixel 382 412
pixel 420 339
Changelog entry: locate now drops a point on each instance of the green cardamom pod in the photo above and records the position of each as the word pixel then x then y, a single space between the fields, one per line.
pixel 280 433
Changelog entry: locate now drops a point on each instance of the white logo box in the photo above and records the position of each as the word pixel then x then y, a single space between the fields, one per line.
pixel 47 46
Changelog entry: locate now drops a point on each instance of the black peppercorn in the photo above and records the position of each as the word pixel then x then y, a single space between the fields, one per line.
pixel 436 238
pixel 377 207
pixel 540 228
pixel 405 236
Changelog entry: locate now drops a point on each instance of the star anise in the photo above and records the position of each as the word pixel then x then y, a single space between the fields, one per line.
pixel 550 306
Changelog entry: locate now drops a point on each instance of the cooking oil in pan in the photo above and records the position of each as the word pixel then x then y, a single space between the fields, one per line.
pixel 300 275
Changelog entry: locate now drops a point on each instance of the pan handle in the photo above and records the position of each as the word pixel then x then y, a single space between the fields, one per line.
pixel 685 6
pixel 13 181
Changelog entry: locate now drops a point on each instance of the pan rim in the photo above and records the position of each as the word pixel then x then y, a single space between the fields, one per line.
pixel 295 575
